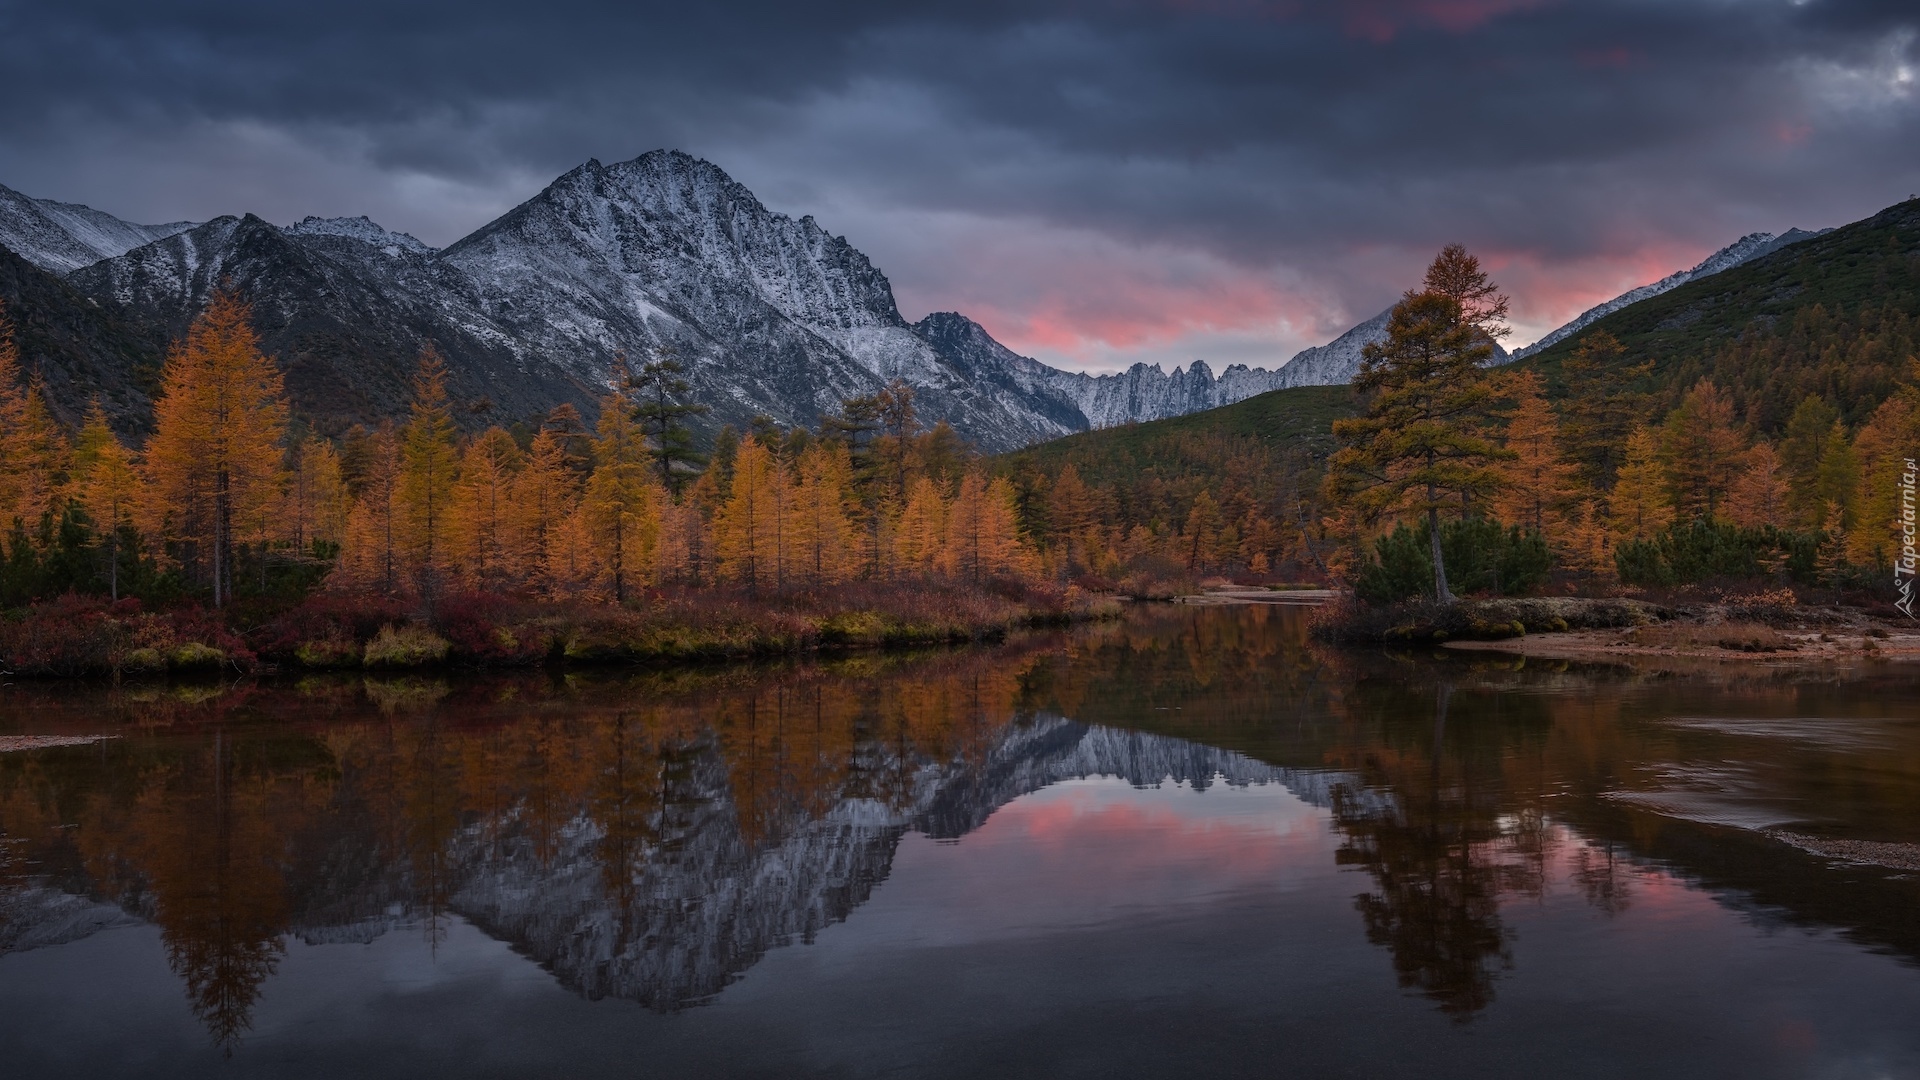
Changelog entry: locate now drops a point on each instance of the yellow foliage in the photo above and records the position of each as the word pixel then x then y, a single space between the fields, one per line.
pixel 215 458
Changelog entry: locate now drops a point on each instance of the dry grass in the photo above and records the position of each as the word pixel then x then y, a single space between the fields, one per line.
pixel 1748 637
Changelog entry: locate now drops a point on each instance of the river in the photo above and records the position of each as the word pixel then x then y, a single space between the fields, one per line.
pixel 1188 842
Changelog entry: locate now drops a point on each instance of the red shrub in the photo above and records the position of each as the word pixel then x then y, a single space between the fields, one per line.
pixel 327 617
pixel 479 626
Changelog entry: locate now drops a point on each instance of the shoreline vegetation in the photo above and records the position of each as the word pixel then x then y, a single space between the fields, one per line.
pixel 77 637
pixel 232 537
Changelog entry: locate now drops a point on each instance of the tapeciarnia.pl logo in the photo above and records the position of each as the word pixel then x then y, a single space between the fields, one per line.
pixel 1903 567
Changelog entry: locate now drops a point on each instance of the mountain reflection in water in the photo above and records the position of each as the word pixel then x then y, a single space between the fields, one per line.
pixel 652 838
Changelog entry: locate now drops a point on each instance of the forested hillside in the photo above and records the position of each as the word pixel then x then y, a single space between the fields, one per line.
pixel 1834 317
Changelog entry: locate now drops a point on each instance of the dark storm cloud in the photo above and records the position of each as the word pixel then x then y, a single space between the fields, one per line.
pixel 1318 148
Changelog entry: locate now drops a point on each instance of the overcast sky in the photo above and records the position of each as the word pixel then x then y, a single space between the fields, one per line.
pixel 1096 181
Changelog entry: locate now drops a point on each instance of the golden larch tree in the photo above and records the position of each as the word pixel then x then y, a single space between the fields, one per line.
pixel 1536 482
pixel 371 551
pixel 1702 447
pixel 983 532
pixel 483 509
pixel 748 530
pixel 615 530
pixel 544 492
pixel 215 458
pixel 30 449
pixel 1884 444
pixel 430 466
pixel 107 486
pixel 317 504
pixel 1639 506
pixel 823 537
pixel 920 533
pixel 1760 491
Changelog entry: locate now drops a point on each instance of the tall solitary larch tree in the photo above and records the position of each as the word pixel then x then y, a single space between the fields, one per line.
pixel 1419 446
pixel 215 457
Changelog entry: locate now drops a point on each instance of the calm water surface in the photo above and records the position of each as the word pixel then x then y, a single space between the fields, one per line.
pixel 1191 843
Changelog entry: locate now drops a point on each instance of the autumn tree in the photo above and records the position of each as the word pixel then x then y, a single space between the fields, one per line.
pixel 1073 510
pixel 107 487
pixel 1603 404
pixel 316 504
pixel 1884 444
pixel 898 422
pixel 1702 448
pixel 215 455
pixel 1801 447
pixel 920 533
pixel 982 531
pixel 1456 274
pixel 1202 532
pixel 619 528
pixel 431 465
pixel 1837 479
pixel 823 539
pixel 1639 504
pixel 1536 482
pixel 749 531
pixel 483 513
pixel 33 449
pixel 1418 447
pixel 371 551
pixel 1759 495
pixel 617 523
pixel 544 491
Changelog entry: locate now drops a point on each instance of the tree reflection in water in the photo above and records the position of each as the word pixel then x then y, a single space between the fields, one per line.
pixel 650 837
pixel 206 837
pixel 1432 840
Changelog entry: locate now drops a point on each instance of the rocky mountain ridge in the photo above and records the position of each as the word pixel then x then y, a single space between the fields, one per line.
pixel 773 315
pixel 1746 249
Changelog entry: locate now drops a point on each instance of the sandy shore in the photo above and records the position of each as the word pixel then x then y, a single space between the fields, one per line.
pixel 1848 644
pixel 1302 597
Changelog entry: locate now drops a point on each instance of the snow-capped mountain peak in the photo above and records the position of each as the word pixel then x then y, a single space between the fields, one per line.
pixel 362 229
pixel 62 237
pixel 1745 249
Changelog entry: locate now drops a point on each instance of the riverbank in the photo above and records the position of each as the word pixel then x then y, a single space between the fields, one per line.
pixel 1768 627
pixel 83 637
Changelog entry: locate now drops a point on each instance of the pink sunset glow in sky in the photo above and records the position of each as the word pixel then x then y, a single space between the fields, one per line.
pixel 1098 182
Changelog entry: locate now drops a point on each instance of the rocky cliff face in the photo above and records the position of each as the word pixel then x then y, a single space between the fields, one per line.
pixel 346 314
pixel 772 315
